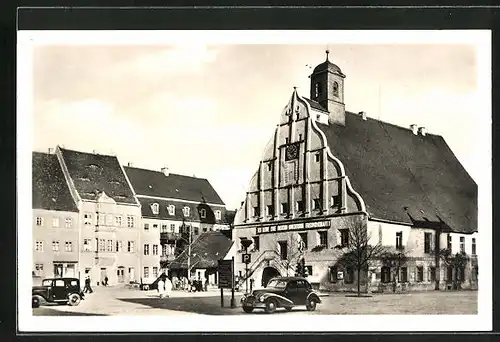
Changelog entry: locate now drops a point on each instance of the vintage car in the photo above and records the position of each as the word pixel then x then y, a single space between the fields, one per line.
pixel 282 292
pixel 57 290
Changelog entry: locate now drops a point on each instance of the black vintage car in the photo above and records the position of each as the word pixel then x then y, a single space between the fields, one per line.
pixel 282 292
pixel 57 290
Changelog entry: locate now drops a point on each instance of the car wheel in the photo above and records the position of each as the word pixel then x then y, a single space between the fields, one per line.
pixel 74 299
pixel 247 309
pixel 311 304
pixel 35 302
pixel 288 308
pixel 271 306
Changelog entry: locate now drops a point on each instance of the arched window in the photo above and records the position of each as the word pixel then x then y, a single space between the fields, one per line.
pixel 317 90
pixel 185 211
pixel 155 208
pixel 171 209
pixel 335 89
pixel 203 213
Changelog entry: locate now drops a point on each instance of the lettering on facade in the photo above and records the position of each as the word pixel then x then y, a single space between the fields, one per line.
pixel 293 226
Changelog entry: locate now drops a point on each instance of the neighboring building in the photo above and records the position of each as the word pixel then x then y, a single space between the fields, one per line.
pixel 175 210
pixel 55 220
pixel 326 169
pixel 206 251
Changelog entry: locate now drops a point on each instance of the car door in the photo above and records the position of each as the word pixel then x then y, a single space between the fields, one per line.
pixel 302 292
pixel 291 291
pixel 59 289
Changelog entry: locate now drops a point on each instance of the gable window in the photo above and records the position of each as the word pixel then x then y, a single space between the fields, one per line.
pixel 39 221
pixel 332 274
pixel 256 243
pixel 255 211
pixel 399 240
pixel 146 249
pixel 420 274
pixel 67 222
pixel 335 89
pixel 473 246
pixel 284 208
pixel 385 274
pixel 55 222
pixel 270 210
pixel 344 237
pixel 323 238
pixel 146 226
pixel 317 204
pixel 303 239
pixel 39 246
pixel 68 246
pixel 171 209
pixel 203 213
pixel 427 243
pixel 87 245
pixel 300 206
pixel 155 208
pixel 218 215
pixel 462 244
pixel 448 242
pixel 55 246
pixel 185 211
pixel 155 249
pixel 317 157
pixel 118 220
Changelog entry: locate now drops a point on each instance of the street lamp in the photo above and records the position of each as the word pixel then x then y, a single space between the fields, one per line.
pixel 246 243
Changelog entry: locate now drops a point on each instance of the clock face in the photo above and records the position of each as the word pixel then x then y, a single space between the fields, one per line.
pixel 292 152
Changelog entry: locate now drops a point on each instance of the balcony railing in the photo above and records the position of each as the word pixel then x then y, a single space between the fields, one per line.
pixel 170 236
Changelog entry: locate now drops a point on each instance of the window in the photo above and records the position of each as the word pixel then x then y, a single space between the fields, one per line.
pixel 67 222
pixel 317 90
pixel 172 227
pixel 130 246
pixel 130 221
pixel 68 246
pixel 303 238
pixel 109 220
pixel 119 246
pixel 432 274
pixel 474 273
pixel 317 204
pixel 155 226
pixel 403 278
pixel 349 276
pixel 284 208
pixel 146 226
pixel 110 246
pixel 171 209
pixel 269 166
pixel 118 220
pixel 256 243
pixel 155 272
pixel 146 249
pixel 332 274
pixel 427 242
pixel 473 246
pixel 101 218
pixel 448 242
pixel 155 249
pixel 462 244
pixel 196 230
pixel 335 201
pixel 155 208
pixel 203 213
pixel 163 228
pixel 146 272
pixel 385 274
pixel 55 246
pixel 218 215
pixel 449 274
pixel 283 248
pixel 87 245
pixel 420 274
pixel 286 140
pixel 87 219
pixel 300 136
pixel 300 206
pixel 55 222
pixel 317 157
pixel 255 211
pixel 39 221
pixel 323 238
pixel 185 211
pixel 344 237
pixel 205 229
pixel 335 89
pixel 399 240
pixel 39 270
pixel 309 269
pixel 39 246
pixel 102 245
pixel 270 210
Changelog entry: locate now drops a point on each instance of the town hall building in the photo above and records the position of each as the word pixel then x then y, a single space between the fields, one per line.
pixel 326 170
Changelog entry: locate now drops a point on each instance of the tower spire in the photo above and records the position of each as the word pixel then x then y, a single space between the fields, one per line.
pixel 327 52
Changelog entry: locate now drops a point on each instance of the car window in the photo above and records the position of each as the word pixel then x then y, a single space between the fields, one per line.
pixel 59 283
pixel 292 286
pixel 46 282
pixel 280 284
pixel 74 283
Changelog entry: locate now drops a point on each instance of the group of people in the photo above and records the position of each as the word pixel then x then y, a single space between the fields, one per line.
pixel 164 286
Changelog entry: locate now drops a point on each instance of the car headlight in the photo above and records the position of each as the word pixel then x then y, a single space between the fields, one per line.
pixel 261 298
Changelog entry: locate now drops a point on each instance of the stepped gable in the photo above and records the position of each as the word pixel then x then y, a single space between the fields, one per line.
pixel 50 190
pixel 94 173
pixel 404 177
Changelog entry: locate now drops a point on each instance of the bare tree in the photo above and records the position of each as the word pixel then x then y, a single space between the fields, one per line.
pixel 394 260
pixel 358 250
pixel 457 262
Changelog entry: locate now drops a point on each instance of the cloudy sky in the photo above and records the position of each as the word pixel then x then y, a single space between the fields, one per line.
pixel 209 110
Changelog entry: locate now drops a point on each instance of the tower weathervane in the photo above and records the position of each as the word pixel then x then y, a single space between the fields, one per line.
pixel 327 52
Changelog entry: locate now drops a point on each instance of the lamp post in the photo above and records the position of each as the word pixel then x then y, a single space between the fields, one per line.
pixel 246 259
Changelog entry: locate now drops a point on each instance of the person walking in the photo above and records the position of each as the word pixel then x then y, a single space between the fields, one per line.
pixel 168 287
pixel 87 287
pixel 106 281
pixel 161 287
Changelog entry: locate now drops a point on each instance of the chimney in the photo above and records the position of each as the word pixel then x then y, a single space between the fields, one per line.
pixel 130 164
pixel 165 171
pixel 422 130
pixel 413 128
pixel 51 150
pixel 363 115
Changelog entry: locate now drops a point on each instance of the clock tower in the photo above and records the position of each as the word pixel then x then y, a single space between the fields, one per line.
pixel 327 88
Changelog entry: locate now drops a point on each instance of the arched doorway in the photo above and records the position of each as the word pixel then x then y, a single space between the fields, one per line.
pixel 268 273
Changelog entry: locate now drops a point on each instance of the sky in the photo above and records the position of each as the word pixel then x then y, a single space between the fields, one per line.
pixel 209 109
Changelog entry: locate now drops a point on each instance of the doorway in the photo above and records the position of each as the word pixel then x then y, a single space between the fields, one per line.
pixel 104 274
pixel 267 274
pixel 120 273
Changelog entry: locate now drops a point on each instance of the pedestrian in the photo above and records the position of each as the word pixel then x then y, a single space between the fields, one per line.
pixel 206 285
pixel 161 287
pixel 87 287
pixel 106 281
pixel 168 287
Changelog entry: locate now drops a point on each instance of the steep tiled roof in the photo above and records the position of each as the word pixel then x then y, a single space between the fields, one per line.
pixel 50 190
pixel 205 251
pixel 315 105
pixel 399 174
pixel 155 183
pixel 93 173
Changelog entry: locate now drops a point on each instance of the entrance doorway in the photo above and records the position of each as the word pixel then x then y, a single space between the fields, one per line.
pixel 104 274
pixel 120 273
pixel 268 273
